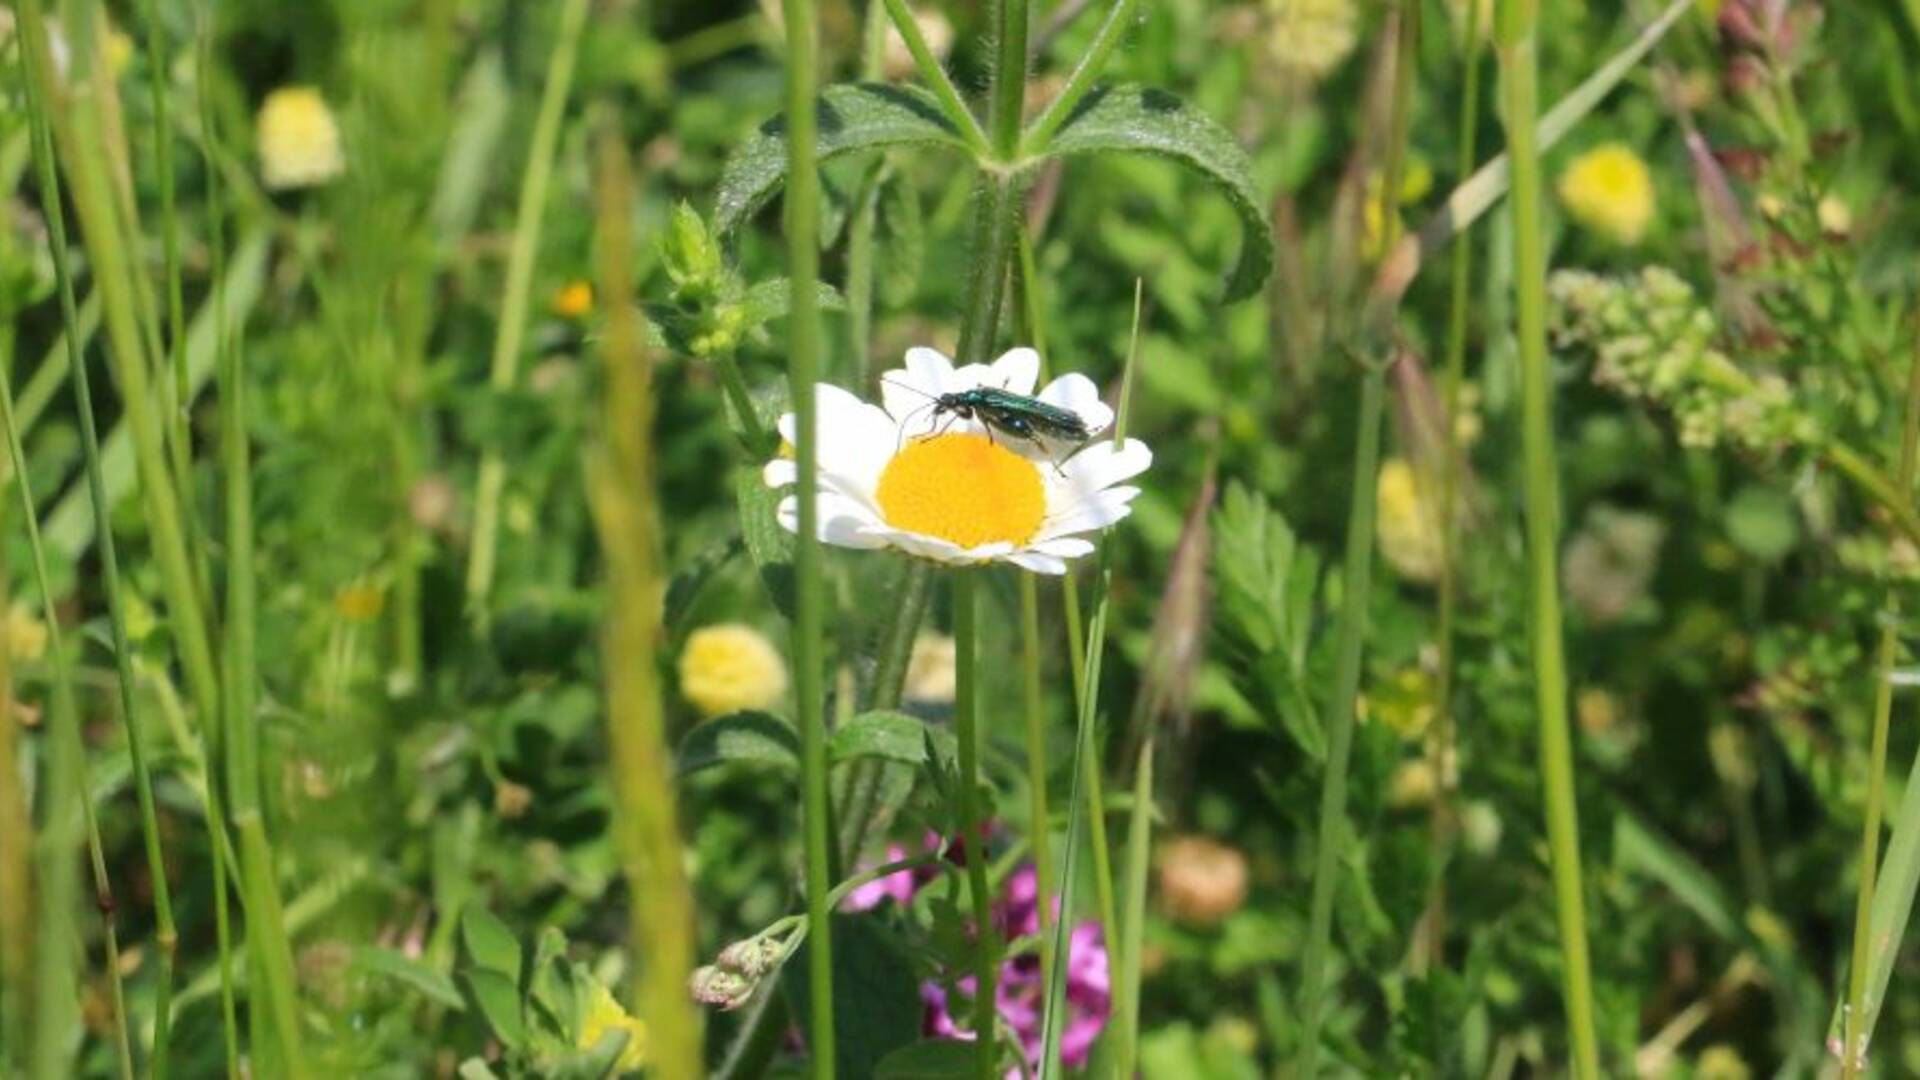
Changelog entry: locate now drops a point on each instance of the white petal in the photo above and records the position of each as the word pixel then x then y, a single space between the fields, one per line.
pixel 1017 370
pixel 780 472
pixel 1076 393
pixel 1065 547
pixel 1099 466
pixel 1098 512
pixel 856 442
pixel 926 547
pixel 843 522
pixel 909 392
pixel 1038 563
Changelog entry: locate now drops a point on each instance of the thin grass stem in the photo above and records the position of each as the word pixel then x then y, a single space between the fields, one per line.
pixel 511 332
pixel 1451 464
pixel 1519 66
pixel 803 372
pixel 1129 937
pixel 1853 1061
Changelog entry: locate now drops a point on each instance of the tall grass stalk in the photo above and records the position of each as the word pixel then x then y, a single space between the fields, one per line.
pixel 220 850
pixel 1853 1060
pixel 511 332
pixel 1128 939
pixel 809 622
pixel 68 787
pixel 1335 831
pixel 1515 37
pixel 1458 311
pixel 166 936
pixel 176 341
pixel 16 814
pixel 1086 757
pixel 623 490
pixel 973 825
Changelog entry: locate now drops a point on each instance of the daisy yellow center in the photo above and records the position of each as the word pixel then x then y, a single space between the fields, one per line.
pixel 964 489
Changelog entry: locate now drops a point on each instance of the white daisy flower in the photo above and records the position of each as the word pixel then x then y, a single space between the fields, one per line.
pixel 947 488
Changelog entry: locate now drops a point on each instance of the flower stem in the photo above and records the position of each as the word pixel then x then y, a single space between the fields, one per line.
pixel 1036 763
pixel 1519 68
pixel 1450 468
pixel 1128 937
pixel 1856 1032
pixel 803 350
pixel 513 305
pixel 966 703
pixel 1334 833
pixel 936 76
pixel 1008 102
pixel 1118 21
pixel 623 494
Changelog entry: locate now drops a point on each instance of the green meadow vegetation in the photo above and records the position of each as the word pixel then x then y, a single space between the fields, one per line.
pixel 1191 539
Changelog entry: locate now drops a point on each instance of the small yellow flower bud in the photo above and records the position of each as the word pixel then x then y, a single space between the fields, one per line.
pixel 1609 189
pixel 299 141
pixel 730 667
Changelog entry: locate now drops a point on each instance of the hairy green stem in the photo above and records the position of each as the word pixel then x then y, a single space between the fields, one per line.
pixel 973 824
pixel 936 76
pixel 1007 102
pixel 809 622
pixel 1112 29
pixel 510 334
pixel 1853 1060
pixel 1519 69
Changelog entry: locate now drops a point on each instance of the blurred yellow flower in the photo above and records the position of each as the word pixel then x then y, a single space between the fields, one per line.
pixel 1405 704
pixel 359 603
pixel 26 634
pixel 1414 783
pixel 728 667
pixel 574 300
pixel 1609 189
pixel 930 671
pixel 1836 218
pixel 1310 38
pixel 298 139
pixel 1408 523
pixel 1415 183
pixel 119 52
pixel 604 1015
pixel 1721 1062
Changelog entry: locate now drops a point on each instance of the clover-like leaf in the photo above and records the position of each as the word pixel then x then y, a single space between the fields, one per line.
pixel 1144 120
pixel 853 117
pixel 890 736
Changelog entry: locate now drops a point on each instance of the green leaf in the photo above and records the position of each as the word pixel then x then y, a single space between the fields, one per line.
pixel 768 543
pixel 490 945
pixel 770 300
pixel 876 994
pixel 1144 120
pixel 1638 848
pixel 853 118
pixel 377 961
pixel 475 1068
pixel 934 1059
pixel 891 736
pixel 498 999
pixel 1762 522
pixel 901 235
pixel 751 738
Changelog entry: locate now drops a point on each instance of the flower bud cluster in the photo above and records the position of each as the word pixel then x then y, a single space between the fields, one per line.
pixel 709 313
pixel 1653 340
pixel 730 981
